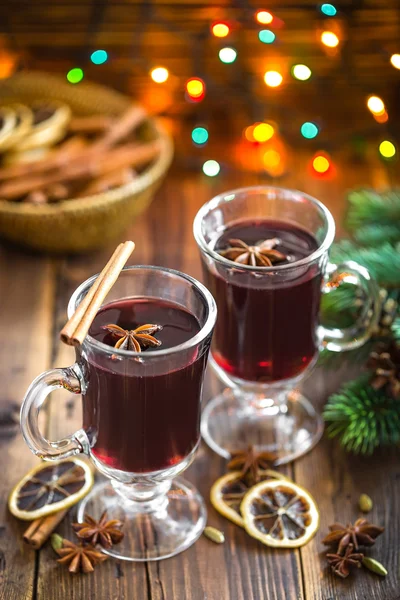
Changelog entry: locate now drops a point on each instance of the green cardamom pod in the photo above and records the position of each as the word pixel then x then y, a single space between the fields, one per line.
pixel 365 503
pixel 56 541
pixel 374 566
pixel 215 535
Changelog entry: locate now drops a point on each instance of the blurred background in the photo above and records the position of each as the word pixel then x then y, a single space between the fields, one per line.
pixel 305 93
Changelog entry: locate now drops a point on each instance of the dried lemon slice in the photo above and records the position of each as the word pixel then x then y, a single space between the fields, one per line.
pixel 50 487
pixel 229 490
pixel 280 514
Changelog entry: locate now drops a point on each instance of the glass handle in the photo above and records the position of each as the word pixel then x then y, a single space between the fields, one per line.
pixel 70 379
pixel 359 332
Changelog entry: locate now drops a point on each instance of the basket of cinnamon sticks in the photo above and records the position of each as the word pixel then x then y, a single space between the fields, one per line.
pixel 77 163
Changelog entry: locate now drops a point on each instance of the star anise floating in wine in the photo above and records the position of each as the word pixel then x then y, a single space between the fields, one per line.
pixel 362 533
pixel 262 254
pixel 135 339
pixel 79 557
pixel 342 563
pixel 250 462
pixel 103 532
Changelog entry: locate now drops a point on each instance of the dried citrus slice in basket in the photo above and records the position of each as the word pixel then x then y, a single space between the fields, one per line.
pixel 229 490
pixel 280 514
pixel 50 487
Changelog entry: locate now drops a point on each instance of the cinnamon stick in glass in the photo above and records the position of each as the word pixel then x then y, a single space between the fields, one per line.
pixel 75 331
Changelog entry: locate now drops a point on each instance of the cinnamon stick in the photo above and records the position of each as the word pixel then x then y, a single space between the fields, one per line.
pixel 57 158
pixel 90 124
pixel 134 155
pixel 121 127
pixel 75 330
pixel 40 530
pixel 104 183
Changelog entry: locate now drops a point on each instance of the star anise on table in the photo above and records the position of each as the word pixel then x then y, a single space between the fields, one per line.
pixel 385 362
pixel 250 462
pixel 103 532
pixel 79 557
pixel 259 255
pixel 342 563
pixel 135 339
pixel 362 533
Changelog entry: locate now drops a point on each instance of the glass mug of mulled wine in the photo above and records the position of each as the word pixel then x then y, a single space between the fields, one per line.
pixel 141 409
pixel 264 254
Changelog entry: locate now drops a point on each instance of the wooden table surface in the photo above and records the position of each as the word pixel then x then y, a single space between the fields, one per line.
pixel 34 290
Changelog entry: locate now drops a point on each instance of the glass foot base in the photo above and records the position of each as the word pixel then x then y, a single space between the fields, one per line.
pixel 153 530
pixel 289 429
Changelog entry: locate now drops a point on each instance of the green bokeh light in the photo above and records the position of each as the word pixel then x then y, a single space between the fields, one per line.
pixel 328 9
pixel 227 55
pixel 75 75
pixel 200 135
pixel 266 36
pixel 98 57
pixel 211 168
pixel 309 130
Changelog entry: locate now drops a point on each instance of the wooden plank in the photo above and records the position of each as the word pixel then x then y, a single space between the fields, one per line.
pixel 26 298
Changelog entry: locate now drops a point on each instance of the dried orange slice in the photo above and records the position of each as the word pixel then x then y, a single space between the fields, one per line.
pixel 50 487
pixel 280 514
pixel 229 490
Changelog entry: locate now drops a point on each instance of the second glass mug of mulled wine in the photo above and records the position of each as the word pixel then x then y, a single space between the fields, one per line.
pixel 264 254
pixel 141 409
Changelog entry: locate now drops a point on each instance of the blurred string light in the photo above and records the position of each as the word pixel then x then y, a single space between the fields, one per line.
pixel 264 17
pixel 200 136
pixel 328 10
pixel 309 130
pixel 98 57
pixel 266 36
pixel 329 39
pixel 211 168
pixel 227 55
pixel 387 149
pixel 159 74
pixel 376 105
pixel 196 89
pixel 75 75
pixel 262 132
pixel 273 78
pixel 273 163
pixel 301 72
pixel 220 30
pixel 321 164
pixel 395 60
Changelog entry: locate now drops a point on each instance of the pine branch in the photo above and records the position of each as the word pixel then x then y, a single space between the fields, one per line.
pixel 374 235
pixel 340 307
pixel 383 262
pixel 363 418
pixel 367 207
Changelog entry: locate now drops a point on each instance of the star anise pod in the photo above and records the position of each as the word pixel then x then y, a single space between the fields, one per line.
pixel 250 462
pixel 259 255
pixel 103 532
pixel 362 533
pixel 341 564
pixel 79 557
pixel 135 339
pixel 385 362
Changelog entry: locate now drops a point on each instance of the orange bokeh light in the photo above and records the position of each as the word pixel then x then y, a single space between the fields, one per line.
pixel 264 17
pixel 321 164
pixel 220 30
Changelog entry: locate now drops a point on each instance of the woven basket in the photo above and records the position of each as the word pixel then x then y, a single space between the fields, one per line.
pixel 81 224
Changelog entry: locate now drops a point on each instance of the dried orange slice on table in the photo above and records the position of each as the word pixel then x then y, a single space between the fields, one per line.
pixel 50 487
pixel 229 490
pixel 280 514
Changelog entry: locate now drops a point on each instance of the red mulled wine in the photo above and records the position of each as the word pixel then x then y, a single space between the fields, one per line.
pixel 138 419
pixel 266 328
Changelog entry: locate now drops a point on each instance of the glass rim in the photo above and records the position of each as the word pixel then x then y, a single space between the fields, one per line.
pixel 196 339
pixel 229 196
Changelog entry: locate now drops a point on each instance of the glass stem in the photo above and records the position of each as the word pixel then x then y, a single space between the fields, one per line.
pixel 148 495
